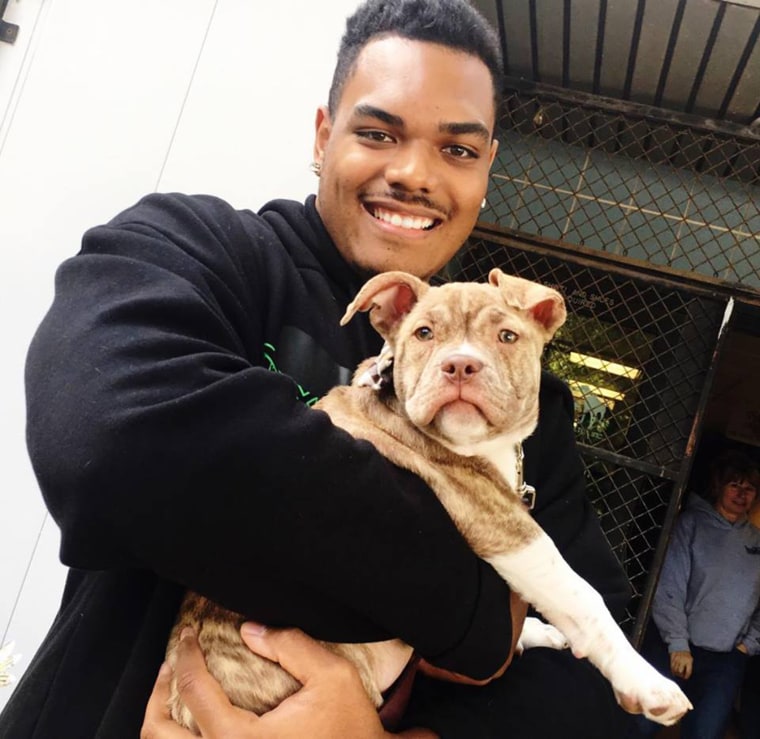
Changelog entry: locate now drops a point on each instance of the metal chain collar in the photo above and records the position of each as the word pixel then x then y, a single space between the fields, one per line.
pixel 526 492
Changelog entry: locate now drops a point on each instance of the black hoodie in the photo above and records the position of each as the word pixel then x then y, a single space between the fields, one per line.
pixel 174 451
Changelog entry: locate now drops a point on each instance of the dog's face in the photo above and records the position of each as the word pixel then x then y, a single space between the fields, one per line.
pixel 466 356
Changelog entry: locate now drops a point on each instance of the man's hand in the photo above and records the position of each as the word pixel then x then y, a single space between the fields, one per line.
pixel 519 610
pixel 331 703
pixel 681 664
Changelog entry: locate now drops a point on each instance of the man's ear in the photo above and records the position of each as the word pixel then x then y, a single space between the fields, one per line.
pixel 322 130
pixel 494 149
pixel 388 297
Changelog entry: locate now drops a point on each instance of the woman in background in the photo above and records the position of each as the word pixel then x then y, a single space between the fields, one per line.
pixel 705 611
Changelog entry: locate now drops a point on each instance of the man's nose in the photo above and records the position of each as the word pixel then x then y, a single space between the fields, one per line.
pixel 413 168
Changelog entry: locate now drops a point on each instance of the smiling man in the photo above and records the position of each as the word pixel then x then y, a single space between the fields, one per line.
pixel 175 446
pixel 404 167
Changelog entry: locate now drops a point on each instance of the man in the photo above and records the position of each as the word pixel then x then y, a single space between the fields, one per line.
pixel 169 432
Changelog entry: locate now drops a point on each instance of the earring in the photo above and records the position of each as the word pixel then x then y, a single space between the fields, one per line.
pixel 483 204
pixel 316 167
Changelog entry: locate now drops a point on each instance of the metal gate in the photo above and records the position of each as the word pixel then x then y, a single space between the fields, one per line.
pixel 637 352
pixel 634 181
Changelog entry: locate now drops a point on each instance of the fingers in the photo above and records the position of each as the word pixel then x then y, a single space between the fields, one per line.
pixel 687 669
pixel 676 668
pixel 681 664
pixel 157 723
pixel 332 702
pixel 200 692
pixel 300 655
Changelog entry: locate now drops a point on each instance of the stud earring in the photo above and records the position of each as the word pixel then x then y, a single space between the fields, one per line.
pixel 316 167
pixel 483 204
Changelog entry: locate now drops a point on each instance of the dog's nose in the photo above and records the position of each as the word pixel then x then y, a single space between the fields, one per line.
pixel 460 367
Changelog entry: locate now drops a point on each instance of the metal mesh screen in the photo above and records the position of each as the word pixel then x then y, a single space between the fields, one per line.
pixel 635 355
pixel 631 506
pixel 656 191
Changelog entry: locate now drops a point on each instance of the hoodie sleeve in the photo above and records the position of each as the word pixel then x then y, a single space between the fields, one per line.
pixel 669 606
pixel 751 639
pixel 160 444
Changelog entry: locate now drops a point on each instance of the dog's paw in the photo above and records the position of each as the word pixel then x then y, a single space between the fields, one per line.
pixel 535 633
pixel 653 695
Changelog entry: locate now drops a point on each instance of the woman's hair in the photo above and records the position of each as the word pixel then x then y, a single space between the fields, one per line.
pixel 732 466
pixel 452 23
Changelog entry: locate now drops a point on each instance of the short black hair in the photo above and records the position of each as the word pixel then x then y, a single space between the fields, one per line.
pixel 452 23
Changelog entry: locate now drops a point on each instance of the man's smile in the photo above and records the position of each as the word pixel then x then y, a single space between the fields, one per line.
pixel 417 223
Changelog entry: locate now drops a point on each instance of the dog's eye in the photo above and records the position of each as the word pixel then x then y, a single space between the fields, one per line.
pixel 507 337
pixel 424 333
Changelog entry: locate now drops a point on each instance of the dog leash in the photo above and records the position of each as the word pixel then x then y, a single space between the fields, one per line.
pixel 396 697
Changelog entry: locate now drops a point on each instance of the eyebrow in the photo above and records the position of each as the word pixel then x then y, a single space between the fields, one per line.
pixel 459 129
pixel 365 110
pixel 476 128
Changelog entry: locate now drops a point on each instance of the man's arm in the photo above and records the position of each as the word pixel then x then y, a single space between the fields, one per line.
pixel 160 444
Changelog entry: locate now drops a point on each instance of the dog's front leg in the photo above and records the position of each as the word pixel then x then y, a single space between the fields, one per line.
pixel 539 573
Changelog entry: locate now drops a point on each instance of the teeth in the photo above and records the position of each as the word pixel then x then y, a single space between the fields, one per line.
pixel 411 222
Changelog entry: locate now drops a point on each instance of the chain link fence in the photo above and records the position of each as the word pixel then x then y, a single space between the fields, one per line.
pixel 658 191
pixel 636 354
pixel 637 349
pixel 658 202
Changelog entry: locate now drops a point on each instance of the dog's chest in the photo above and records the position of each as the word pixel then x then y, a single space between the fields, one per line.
pixel 501 453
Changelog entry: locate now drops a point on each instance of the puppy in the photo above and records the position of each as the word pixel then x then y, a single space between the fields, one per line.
pixel 464 394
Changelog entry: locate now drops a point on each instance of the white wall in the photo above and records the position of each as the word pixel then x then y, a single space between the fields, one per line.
pixel 102 101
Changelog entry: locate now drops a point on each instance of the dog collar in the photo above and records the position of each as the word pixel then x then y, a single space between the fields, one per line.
pixel 379 374
pixel 526 492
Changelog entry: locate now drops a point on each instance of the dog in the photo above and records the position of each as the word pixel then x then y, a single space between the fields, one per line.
pixel 465 360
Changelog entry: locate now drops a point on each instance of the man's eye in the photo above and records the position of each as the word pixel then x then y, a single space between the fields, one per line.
pixel 379 137
pixel 507 337
pixel 461 152
pixel 424 333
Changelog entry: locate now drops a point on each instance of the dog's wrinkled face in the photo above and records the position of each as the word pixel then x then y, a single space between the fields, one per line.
pixel 467 367
pixel 466 356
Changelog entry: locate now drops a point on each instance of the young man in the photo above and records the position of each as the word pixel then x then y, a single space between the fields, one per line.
pixel 169 432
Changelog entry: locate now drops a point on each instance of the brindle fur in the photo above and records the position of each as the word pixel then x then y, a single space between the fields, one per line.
pixel 484 507
pixel 429 424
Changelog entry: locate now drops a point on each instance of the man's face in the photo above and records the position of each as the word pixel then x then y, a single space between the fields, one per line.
pixel 405 160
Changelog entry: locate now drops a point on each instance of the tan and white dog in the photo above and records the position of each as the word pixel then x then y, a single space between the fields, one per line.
pixel 466 372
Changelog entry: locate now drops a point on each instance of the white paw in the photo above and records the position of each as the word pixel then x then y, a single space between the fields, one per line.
pixel 644 690
pixel 535 633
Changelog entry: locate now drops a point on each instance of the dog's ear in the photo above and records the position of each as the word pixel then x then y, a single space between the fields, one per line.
pixel 545 304
pixel 388 297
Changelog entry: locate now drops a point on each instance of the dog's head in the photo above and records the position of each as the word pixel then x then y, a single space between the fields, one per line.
pixel 467 356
